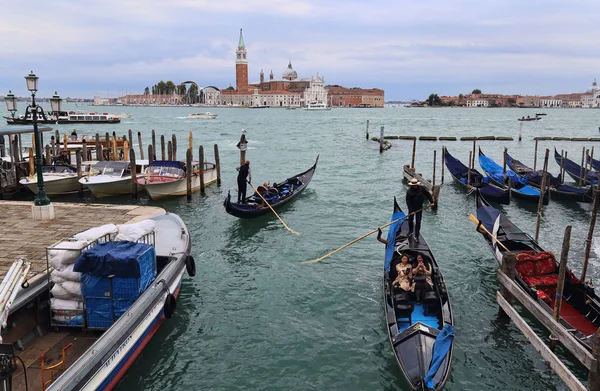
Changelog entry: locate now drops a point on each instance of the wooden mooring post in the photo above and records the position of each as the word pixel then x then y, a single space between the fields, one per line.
pixel 150 154
pixel 381 140
pixel 79 172
pixel 562 269
pixel 141 145
pixel 153 146
pixel 134 191
pixel 563 167
pixel 48 155
pixel 535 154
pixel 414 151
pixel 190 173
pixel 130 133
pixel 542 193
pixel 99 156
pixel 469 173
pixel 201 168
pixel 162 147
pixel 434 163
pixel 84 150
pixel 504 163
pixel 170 150
pixel 107 143
pixel 520 131
pixel 588 241
pixel 443 162
pixel 367 129
pixel 593 380
pixel 582 170
pixel 174 139
pixel 508 267
pixel 218 165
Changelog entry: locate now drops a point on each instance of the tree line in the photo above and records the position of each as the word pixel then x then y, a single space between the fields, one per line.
pixel 190 95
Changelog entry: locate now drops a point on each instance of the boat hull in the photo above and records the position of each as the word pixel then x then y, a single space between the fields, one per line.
pixel 178 187
pixel 53 186
pixel 120 186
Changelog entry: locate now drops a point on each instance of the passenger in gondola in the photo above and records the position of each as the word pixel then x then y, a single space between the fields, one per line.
pixel 405 275
pixel 415 196
pixel 244 177
pixel 422 278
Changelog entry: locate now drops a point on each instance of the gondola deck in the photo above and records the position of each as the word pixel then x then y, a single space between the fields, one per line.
pixel 253 206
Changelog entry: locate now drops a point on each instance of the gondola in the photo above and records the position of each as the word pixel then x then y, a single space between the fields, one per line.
pixel 554 185
pixel 421 335
pixel 510 180
pixel 576 171
pixel 278 195
pixel 460 174
pixel 537 274
pixel 595 163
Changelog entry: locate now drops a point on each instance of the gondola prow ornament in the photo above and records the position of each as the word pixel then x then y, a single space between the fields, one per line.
pixel 243 146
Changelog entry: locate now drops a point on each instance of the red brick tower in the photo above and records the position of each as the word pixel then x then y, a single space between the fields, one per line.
pixel 241 67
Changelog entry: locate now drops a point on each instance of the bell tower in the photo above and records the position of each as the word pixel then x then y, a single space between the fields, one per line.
pixel 241 66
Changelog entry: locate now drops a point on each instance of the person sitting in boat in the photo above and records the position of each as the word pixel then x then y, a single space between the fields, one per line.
pixel 74 134
pixel 422 278
pixel 405 276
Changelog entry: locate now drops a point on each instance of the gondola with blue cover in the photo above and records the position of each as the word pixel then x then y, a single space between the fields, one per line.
pixel 554 185
pixel 575 170
pixel 278 195
pixel 595 163
pixel 510 180
pixel 460 174
pixel 421 334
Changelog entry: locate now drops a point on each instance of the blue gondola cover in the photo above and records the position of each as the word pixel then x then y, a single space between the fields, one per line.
pixel 114 275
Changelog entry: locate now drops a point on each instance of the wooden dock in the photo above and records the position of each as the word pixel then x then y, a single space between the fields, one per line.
pixel 23 237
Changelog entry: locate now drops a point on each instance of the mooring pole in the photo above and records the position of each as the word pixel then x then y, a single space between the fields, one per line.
pixel 581 171
pixel 474 152
pixel 201 173
pixel 504 164
pixel 190 173
pixel 520 131
pixel 140 145
pixel 162 147
pixel 443 162
pixel 588 241
pixel 563 167
pixel 79 172
pixel 434 163
pixel 535 154
pixel 174 139
pixel 469 173
pixel 133 173
pixel 562 268
pixel 381 140
pixel 414 151
pixel 541 200
pixel 130 133
pixel 150 154
pixel 218 165
pixel 367 129
pixel 153 146
pixel 509 262
pixel 170 150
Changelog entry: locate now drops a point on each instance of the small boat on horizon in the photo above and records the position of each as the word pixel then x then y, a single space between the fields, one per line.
pixel 529 118
pixel 164 178
pixel 259 107
pixel 206 115
pixel 421 332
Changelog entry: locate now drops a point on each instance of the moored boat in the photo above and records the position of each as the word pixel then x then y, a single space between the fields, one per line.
pixel 554 185
pixel 529 118
pixel 110 178
pixel 460 174
pixel 576 171
pixel 206 115
pixel 58 180
pixel 510 180
pixel 317 106
pixel 277 196
pixel 537 274
pixel 421 333
pixel 64 117
pixel 164 178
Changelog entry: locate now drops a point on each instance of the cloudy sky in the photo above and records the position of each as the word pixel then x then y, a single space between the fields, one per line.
pixel 408 48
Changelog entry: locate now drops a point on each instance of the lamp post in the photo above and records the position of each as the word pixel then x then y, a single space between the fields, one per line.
pixel 11 104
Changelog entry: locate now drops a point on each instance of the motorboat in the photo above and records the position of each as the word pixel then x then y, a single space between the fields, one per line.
pixel 164 178
pixel 116 312
pixel 58 180
pixel 206 115
pixel 110 178
pixel 317 106
pixel 64 117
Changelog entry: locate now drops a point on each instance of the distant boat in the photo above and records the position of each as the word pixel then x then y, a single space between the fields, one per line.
pixel 66 118
pixel 206 115
pixel 259 107
pixel 316 106
pixel 290 108
pixel 538 114
pixel 529 118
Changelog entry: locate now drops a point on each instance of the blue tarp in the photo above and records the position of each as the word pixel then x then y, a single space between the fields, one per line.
pixel 391 238
pixel 495 171
pixel 441 347
pixel 167 163
pixel 119 259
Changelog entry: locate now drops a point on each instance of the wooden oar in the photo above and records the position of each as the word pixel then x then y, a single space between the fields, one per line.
pixel 364 236
pixel 273 210
pixel 476 221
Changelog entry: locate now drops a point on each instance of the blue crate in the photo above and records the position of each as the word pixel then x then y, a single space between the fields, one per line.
pixel 96 287
pixel 99 313
pixel 120 306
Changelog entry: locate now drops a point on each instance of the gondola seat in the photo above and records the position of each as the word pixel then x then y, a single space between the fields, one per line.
pixel 402 305
pixel 430 302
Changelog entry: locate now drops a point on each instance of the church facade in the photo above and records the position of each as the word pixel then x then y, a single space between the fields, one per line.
pixel 287 91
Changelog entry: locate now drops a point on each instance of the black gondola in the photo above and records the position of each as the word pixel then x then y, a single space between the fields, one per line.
pixel 556 189
pixel 595 163
pixel 460 174
pixel 508 179
pixel 575 170
pixel 537 274
pixel 278 195
pixel 421 334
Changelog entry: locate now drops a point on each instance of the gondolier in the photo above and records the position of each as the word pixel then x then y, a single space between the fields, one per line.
pixel 415 196
pixel 244 177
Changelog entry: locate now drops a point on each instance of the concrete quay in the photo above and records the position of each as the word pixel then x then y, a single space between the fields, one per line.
pixel 23 237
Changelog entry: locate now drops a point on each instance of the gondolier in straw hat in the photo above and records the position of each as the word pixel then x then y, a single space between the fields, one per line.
pixel 415 196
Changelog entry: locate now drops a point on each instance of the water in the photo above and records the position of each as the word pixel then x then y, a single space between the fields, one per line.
pixel 255 318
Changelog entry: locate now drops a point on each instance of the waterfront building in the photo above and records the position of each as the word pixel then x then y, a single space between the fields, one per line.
pixel 338 96
pixel 479 102
pixel 592 96
pixel 550 101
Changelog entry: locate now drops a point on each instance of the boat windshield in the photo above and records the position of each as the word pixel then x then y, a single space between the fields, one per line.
pixel 171 172
pixel 116 169
pixel 58 169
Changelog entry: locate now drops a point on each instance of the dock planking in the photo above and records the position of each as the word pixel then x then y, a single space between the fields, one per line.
pixel 23 237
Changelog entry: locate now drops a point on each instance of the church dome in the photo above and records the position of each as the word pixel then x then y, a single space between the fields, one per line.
pixel 593 88
pixel 290 73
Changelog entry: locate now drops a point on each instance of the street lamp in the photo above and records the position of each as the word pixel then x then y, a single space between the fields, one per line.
pixel 11 103
pixel 56 104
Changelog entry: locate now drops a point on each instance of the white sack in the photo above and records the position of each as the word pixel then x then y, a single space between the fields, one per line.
pixel 74 288
pixel 134 232
pixel 68 305
pixel 65 254
pixel 60 293
pixel 97 232
pixel 67 274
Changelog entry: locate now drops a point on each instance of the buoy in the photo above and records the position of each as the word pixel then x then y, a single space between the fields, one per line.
pixel 170 305
pixel 190 265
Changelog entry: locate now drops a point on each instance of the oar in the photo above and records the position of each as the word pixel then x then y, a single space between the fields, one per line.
pixel 364 236
pixel 273 210
pixel 476 221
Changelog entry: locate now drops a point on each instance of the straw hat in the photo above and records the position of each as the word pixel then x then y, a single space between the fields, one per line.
pixel 414 182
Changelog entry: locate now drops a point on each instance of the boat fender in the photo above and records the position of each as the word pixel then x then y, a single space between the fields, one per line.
pixel 170 305
pixel 190 266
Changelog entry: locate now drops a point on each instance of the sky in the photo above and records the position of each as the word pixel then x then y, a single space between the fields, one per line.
pixel 410 49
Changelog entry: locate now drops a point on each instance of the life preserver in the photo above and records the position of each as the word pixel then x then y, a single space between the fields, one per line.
pixel 190 265
pixel 170 305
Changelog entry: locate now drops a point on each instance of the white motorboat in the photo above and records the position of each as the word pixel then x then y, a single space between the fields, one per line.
pixel 110 178
pixel 58 180
pixel 316 106
pixel 164 178
pixel 206 115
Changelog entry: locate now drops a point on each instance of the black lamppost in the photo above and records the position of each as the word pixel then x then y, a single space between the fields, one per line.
pixel 11 104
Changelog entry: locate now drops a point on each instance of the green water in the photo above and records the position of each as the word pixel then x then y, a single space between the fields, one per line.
pixel 254 318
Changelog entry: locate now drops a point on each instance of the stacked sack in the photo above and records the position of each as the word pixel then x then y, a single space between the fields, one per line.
pixel 66 301
pixel 134 232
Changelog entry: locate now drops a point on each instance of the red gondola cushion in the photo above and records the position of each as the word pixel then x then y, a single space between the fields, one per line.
pixel 549 280
pixel 526 269
pixel 545 265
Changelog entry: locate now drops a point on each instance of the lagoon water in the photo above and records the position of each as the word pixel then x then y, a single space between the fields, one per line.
pixel 254 318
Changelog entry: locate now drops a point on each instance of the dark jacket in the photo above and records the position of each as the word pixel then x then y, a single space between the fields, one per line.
pixel 415 196
pixel 243 173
